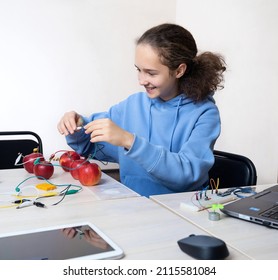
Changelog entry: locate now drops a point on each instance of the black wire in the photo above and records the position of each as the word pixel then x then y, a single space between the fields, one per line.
pixel 64 192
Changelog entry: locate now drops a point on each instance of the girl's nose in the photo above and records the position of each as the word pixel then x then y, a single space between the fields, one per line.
pixel 142 79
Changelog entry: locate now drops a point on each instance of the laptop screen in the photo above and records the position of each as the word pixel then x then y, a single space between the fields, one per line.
pixel 73 241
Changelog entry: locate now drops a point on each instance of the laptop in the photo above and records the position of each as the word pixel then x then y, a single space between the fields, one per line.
pixel 69 241
pixel 260 208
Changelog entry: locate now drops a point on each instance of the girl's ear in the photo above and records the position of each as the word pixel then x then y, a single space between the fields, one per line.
pixel 181 70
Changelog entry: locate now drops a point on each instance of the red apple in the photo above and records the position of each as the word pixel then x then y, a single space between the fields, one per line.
pixel 28 161
pixel 44 169
pixel 89 174
pixel 67 158
pixel 75 165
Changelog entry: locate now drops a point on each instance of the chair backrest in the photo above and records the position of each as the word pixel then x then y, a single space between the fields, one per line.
pixel 15 142
pixel 233 170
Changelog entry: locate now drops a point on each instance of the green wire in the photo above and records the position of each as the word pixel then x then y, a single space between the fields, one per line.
pixel 17 189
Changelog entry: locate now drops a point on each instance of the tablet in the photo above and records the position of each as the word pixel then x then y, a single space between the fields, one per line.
pixel 69 241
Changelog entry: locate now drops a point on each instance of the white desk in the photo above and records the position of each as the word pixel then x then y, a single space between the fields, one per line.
pixel 108 188
pixel 256 241
pixel 141 227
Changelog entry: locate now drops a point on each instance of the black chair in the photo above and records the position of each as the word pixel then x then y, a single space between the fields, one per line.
pixel 233 170
pixel 16 142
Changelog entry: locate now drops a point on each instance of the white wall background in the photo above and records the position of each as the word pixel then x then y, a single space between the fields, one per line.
pixel 59 55
pixel 245 32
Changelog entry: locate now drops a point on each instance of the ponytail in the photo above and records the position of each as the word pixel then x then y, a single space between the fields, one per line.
pixel 203 76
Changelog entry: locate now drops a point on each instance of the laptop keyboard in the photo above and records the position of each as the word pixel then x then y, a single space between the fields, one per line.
pixel 271 213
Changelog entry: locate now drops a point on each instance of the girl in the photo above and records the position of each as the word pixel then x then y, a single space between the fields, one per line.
pixel 162 138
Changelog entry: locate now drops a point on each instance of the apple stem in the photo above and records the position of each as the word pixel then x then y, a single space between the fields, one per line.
pixel 36 150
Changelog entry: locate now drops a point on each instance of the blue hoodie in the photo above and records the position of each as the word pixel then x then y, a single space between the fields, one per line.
pixel 173 143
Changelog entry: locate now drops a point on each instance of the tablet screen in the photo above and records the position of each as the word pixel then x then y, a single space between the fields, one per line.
pixel 72 241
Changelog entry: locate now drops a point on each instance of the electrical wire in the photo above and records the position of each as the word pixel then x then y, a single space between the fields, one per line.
pixel 17 189
pixel 63 193
pixel 214 185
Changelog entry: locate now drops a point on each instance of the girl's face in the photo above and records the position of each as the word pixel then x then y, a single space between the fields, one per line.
pixel 157 78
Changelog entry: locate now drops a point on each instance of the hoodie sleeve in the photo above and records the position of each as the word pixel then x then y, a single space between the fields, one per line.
pixel 80 142
pixel 188 168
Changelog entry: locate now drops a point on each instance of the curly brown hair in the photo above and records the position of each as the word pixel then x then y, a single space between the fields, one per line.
pixel 175 45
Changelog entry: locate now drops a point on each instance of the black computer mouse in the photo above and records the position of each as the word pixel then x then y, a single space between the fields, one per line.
pixel 204 247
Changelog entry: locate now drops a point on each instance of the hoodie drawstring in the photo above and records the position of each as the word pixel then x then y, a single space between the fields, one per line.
pixel 175 123
pixel 150 121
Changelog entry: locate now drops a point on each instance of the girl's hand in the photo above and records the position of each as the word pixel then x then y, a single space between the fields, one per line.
pixel 69 123
pixel 107 131
pixel 70 233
